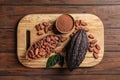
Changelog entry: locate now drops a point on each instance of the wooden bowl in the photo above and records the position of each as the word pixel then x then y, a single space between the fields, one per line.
pixel 64 23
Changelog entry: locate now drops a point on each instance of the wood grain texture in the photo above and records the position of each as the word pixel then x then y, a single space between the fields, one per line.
pixel 11 66
pixel 43 2
pixel 11 11
pixel 62 77
pixel 28 23
pixel 10 20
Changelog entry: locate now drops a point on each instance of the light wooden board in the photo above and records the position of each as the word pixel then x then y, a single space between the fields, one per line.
pixel 28 23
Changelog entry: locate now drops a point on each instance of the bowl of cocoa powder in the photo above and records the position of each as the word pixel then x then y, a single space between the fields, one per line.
pixel 64 23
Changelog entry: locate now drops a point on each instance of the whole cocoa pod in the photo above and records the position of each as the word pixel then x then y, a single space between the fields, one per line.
pixel 76 50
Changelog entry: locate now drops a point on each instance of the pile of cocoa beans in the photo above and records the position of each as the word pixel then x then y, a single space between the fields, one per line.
pixel 43 47
pixel 43 28
pixel 93 46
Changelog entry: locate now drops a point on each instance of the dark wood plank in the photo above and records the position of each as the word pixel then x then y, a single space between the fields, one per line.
pixel 10 15
pixel 35 2
pixel 9 40
pixel 62 77
pixel 108 66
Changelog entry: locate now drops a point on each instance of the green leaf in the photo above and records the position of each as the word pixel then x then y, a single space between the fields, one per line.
pixel 58 58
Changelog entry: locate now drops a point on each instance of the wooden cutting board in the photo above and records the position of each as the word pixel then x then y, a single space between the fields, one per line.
pixel 28 23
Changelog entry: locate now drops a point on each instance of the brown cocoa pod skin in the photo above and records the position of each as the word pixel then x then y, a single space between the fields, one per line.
pixel 76 50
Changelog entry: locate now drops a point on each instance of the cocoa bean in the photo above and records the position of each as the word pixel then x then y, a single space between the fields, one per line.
pixel 83 23
pixel 93 41
pixel 90 49
pixel 95 50
pixel 96 56
pixel 40 33
pixel 91 36
pixel 97 46
pixel 86 29
pixel 63 39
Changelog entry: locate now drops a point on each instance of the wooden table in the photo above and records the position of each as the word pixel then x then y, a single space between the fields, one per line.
pixel 11 11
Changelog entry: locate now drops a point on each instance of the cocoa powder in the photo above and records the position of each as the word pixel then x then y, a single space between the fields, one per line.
pixel 64 23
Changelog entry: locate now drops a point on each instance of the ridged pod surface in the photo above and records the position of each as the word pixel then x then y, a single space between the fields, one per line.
pixel 76 50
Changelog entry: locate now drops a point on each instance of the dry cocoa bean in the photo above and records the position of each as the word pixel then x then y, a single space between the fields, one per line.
pixel 36 51
pixel 83 23
pixel 96 56
pixel 40 33
pixel 46 29
pixel 77 23
pixel 91 45
pixel 52 38
pixel 42 52
pixel 48 39
pixel 90 49
pixel 75 31
pixel 41 26
pixel 97 46
pixel 91 36
pixel 86 29
pixel 76 28
pixel 59 44
pixel 43 47
pixel 45 24
pixel 63 39
pixel 95 50
pixel 37 27
pixel 56 38
pixel 58 51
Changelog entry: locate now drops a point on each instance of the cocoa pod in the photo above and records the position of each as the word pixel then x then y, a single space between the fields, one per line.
pixel 76 50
